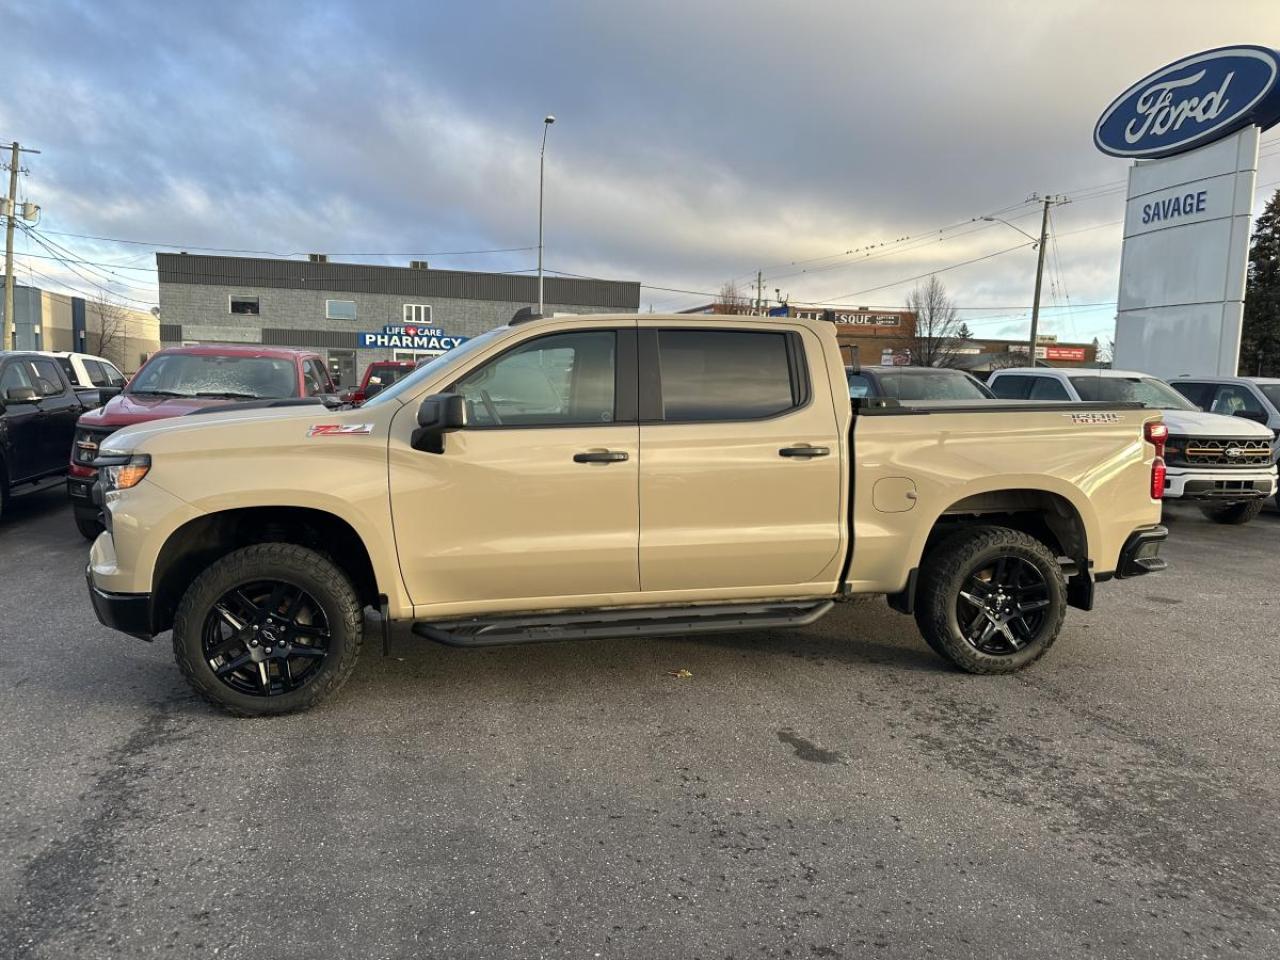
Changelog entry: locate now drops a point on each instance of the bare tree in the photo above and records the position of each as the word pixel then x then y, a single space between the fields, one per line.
pixel 938 328
pixel 731 299
pixel 108 340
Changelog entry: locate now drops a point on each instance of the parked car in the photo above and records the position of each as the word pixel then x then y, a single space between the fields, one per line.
pixel 1224 464
pixel 377 377
pixel 915 383
pixel 1254 398
pixel 95 379
pixel 624 476
pixel 38 412
pixel 178 381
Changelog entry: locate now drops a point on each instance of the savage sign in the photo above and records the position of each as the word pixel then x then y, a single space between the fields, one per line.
pixel 1198 99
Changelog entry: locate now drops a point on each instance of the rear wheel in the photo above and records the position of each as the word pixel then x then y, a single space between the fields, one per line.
pixel 268 629
pixel 1235 513
pixel 991 599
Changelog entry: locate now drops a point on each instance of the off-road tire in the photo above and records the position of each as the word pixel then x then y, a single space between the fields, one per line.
pixel 1233 513
pixel 312 571
pixel 89 527
pixel 944 571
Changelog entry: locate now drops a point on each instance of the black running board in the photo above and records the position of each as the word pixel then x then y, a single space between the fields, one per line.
pixel 632 622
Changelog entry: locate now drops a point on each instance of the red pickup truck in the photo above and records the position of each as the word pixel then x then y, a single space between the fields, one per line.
pixel 377 377
pixel 182 380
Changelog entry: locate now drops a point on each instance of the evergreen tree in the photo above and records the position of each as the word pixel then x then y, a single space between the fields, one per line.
pixel 1260 343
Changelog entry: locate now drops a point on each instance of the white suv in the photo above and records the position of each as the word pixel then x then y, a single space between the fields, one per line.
pixel 86 370
pixel 1225 464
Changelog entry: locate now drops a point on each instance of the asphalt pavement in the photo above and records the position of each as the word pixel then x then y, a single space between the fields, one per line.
pixel 832 792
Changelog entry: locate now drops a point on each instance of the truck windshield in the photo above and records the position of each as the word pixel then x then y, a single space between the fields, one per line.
pixel 199 375
pixel 1148 391
pixel 429 370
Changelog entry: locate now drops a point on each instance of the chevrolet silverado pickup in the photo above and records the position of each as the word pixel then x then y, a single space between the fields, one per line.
pixel 613 476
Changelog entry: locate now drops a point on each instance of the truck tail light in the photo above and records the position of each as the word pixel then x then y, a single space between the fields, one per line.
pixel 1156 434
pixel 1157 479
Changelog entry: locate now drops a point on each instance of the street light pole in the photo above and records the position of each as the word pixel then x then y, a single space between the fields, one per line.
pixel 547 121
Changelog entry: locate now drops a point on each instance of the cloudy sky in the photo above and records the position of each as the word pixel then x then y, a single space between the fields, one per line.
pixel 696 141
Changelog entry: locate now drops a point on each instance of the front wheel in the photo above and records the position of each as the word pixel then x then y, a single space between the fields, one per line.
pixel 268 629
pixel 990 599
pixel 88 524
pixel 1235 513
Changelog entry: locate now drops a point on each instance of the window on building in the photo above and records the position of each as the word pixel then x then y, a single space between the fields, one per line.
pixel 417 313
pixel 245 305
pixel 561 379
pixel 724 375
pixel 340 309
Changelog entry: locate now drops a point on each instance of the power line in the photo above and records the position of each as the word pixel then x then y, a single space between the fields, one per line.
pixel 953 266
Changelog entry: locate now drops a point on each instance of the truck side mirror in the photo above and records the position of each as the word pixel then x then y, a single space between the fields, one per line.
pixel 20 395
pixel 438 414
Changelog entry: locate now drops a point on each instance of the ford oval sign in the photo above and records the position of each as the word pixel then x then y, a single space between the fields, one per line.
pixel 1195 101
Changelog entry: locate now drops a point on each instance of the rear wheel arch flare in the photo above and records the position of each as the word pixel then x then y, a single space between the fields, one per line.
pixel 1045 515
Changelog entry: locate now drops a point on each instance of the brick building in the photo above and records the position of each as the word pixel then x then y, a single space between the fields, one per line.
pixel 356 313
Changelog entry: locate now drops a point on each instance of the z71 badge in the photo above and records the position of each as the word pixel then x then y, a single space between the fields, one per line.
pixel 340 430
pixel 1094 417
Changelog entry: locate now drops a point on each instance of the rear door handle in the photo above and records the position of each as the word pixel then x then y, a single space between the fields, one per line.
pixel 601 456
pixel 804 452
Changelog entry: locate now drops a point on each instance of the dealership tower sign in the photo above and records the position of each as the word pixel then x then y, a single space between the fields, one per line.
pixel 1192 129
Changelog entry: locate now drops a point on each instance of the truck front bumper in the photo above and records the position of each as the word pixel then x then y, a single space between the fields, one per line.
pixel 1183 484
pixel 127 612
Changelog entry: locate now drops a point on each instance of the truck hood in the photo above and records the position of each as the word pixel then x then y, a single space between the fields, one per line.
pixel 127 409
pixel 130 437
pixel 1194 423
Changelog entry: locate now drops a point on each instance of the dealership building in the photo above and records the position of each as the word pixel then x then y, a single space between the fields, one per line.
pixel 355 313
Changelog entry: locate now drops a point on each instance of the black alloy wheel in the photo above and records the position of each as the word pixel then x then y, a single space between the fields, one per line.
pixel 265 638
pixel 1002 607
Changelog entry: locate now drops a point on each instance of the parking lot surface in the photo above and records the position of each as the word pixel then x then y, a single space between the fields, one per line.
pixel 832 792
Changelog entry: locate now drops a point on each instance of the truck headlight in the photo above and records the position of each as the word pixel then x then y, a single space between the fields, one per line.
pixel 122 471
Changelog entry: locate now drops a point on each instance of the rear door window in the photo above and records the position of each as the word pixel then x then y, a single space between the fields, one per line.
pixel 709 375
pixel 97 376
pixel 1011 387
pixel 1047 388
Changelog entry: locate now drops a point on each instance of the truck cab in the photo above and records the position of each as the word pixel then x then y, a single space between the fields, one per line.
pixel 1224 464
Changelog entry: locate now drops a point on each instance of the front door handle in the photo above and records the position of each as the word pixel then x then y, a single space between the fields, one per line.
pixel 804 452
pixel 601 456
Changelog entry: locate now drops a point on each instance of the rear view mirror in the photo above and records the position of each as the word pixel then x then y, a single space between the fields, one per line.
pixel 20 395
pixel 438 414
pixel 1257 416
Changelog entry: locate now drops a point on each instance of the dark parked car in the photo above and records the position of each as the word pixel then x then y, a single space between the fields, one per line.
pixel 915 384
pixel 38 413
pixel 181 380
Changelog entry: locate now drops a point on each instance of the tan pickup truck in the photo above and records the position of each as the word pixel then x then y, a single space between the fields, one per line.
pixel 613 476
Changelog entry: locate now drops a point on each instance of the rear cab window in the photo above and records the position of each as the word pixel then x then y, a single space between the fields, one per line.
pixel 1011 387
pixel 709 375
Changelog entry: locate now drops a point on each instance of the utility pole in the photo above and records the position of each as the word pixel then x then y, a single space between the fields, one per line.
pixel 11 211
pixel 760 292
pixel 1048 201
